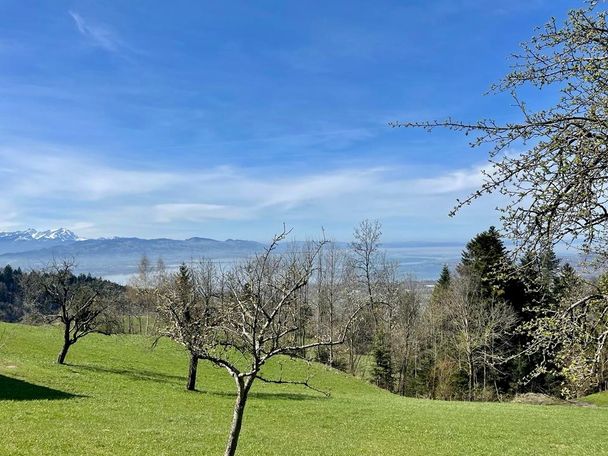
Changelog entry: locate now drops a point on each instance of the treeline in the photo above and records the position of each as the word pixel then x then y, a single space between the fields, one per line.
pixel 492 328
pixel 11 294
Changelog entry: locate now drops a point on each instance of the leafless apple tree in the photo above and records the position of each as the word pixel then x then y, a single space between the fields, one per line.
pixel 81 304
pixel 258 319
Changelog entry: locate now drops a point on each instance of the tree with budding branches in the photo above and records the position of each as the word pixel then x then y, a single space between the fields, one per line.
pixel 556 189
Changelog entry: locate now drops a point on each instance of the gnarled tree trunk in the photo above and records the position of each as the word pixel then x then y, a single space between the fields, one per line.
pixel 191 385
pixel 243 386
pixel 66 345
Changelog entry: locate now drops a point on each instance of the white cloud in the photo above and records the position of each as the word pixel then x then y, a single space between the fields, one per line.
pixel 451 182
pixel 102 199
pixel 97 34
pixel 54 176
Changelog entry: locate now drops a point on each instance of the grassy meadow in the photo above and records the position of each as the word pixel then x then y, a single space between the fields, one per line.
pixel 118 396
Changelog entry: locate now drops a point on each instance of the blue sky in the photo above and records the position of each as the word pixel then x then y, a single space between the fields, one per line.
pixel 226 119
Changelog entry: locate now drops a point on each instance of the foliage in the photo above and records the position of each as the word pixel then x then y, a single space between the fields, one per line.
pixel 571 334
pixel 11 295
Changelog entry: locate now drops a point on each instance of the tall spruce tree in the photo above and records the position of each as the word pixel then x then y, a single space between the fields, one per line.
pixel 540 275
pixel 444 277
pixel 485 260
pixel 382 372
pixel 486 264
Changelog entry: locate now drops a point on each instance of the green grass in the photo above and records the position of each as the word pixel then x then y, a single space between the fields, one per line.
pixel 117 397
pixel 599 399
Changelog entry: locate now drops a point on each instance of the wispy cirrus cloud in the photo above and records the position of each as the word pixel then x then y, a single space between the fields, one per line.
pixel 100 198
pixel 37 175
pixel 452 181
pixel 97 34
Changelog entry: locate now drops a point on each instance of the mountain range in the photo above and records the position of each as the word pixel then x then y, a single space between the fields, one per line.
pixel 31 239
pixel 31 249
pixel 117 258
pixel 60 234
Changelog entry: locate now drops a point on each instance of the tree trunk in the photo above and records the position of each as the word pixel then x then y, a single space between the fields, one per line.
pixel 351 355
pixel 331 331
pixel 237 417
pixel 64 351
pixel 191 385
pixel 471 375
pixel 66 341
pixel 402 377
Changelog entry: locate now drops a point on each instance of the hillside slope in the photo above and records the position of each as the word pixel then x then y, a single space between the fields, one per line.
pixel 599 399
pixel 117 396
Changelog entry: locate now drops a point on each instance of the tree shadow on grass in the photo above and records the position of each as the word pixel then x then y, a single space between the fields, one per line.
pixel 134 374
pixel 12 389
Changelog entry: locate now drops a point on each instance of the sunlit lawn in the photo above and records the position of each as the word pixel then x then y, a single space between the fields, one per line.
pixel 118 396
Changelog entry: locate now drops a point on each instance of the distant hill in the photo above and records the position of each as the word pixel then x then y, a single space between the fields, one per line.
pixel 113 256
pixel 117 258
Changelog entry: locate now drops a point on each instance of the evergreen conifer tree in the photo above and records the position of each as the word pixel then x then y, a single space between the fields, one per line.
pixel 383 366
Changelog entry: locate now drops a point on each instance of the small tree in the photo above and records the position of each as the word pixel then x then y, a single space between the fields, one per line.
pixel 186 299
pixel 406 332
pixel 365 250
pixel 330 292
pixel 444 278
pixel 142 302
pixel 480 330
pixel 81 304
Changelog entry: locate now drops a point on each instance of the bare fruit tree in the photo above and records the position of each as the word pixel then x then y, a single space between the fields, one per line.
pixel 188 301
pixel 259 319
pixel 79 303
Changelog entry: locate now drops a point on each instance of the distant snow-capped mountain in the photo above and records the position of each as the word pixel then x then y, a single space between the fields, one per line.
pixel 31 239
pixel 59 234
